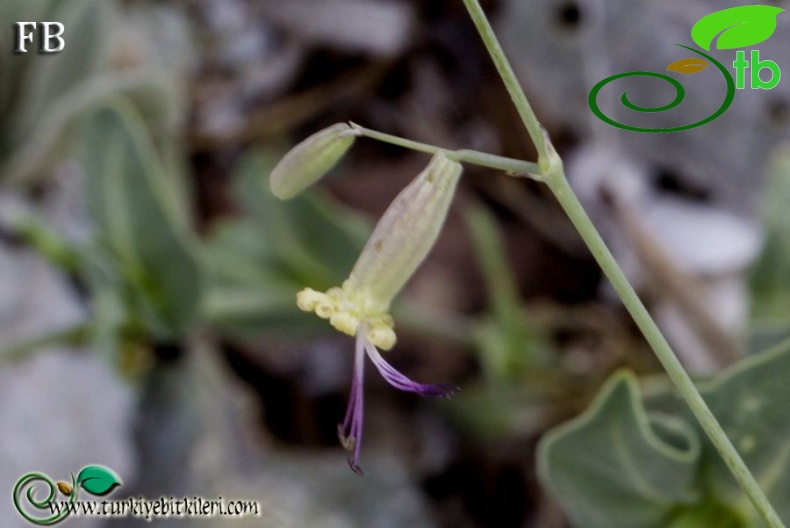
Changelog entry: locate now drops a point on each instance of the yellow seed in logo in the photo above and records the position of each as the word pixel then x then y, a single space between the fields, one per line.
pixel 64 487
pixel 688 66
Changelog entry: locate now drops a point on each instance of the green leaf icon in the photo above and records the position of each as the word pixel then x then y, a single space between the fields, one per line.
pixel 98 480
pixel 739 27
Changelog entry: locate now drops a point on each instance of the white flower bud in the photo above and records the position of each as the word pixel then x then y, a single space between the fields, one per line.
pixel 308 161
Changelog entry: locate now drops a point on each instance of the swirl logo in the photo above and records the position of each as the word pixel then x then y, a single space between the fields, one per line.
pixel 45 509
pixel 736 27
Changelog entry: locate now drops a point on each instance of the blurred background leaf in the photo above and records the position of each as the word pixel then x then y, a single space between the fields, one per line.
pixel 510 349
pixel 137 220
pixel 40 90
pixel 615 466
pixel 748 401
pixel 621 465
pixel 259 262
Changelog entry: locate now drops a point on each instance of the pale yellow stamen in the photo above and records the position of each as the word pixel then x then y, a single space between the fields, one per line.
pixel 347 312
pixel 382 336
pixel 308 299
pixel 345 322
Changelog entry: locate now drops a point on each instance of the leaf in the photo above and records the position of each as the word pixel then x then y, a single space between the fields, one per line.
pixel 587 465
pixel 54 132
pixel 707 514
pixel 750 402
pixel 110 313
pixel 688 66
pixel 739 27
pixel 133 203
pixel 49 78
pixel 98 480
pixel 41 94
pixel 616 467
pixel 13 65
pixel 509 347
pixel 257 264
pixel 251 293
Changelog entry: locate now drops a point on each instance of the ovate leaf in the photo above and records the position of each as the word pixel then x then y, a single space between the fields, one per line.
pixel 750 402
pixel 739 27
pixel 98 480
pixel 615 467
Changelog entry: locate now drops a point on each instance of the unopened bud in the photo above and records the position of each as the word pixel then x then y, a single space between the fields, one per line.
pixel 308 161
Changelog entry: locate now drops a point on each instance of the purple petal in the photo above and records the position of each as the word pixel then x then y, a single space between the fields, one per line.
pixel 350 431
pixel 399 381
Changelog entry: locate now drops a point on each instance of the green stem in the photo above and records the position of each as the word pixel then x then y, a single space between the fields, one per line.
pixel 506 72
pixel 554 176
pixel 511 166
pixel 564 194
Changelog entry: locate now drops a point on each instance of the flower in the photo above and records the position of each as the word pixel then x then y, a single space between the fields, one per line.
pixel 399 243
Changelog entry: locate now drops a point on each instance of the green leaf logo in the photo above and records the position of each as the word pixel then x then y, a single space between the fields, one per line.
pixel 739 27
pixel 98 480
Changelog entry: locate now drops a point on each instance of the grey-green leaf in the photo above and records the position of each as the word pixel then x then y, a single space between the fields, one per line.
pixel 739 27
pixel 134 207
pixel 98 480
pixel 257 264
pixel 509 346
pixel 41 94
pixel 49 78
pixel 615 467
pixel 314 235
pixel 750 402
pixel 251 292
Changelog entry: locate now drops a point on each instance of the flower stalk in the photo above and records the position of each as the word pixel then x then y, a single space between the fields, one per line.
pixel 513 167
